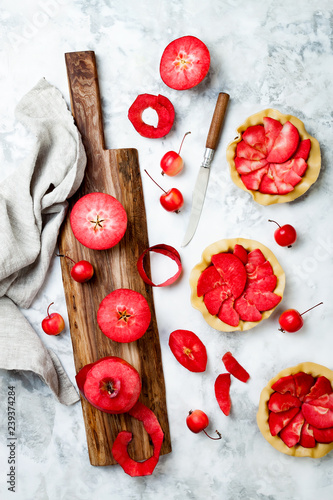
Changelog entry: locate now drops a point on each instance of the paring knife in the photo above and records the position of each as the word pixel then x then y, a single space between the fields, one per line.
pixel 200 187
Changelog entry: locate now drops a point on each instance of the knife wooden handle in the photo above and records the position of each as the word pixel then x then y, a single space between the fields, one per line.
pixel 217 120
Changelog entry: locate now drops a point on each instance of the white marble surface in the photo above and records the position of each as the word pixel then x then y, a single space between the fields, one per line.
pixel 264 54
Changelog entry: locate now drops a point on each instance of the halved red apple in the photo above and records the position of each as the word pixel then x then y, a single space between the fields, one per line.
pixel 273 157
pixel 189 350
pixel 124 315
pixel 247 286
pixel 98 221
pixel 307 429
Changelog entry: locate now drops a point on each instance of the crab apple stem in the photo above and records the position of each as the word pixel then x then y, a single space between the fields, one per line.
pixel 210 437
pixel 155 181
pixel 47 312
pixel 312 308
pixel 60 255
pixel 182 142
pixel 270 220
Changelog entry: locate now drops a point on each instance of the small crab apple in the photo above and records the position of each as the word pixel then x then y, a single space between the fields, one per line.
pixel 292 321
pixel 172 163
pixel 171 200
pixel 54 323
pixel 285 236
pixel 82 271
pixel 197 421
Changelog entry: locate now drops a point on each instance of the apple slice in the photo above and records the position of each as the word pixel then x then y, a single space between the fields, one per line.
pixel 164 110
pixel 325 401
pixel 244 166
pixel 255 258
pixel 285 144
pixel 318 416
pixel 284 173
pixel 228 314
pixel 112 385
pixel 303 384
pixel 124 315
pixel 208 280
pixel 283 402
pixel 246 309
pixel 303 149
pixel 222 392
pixel 213 299
pixel 272 130
pixel 98 221
pixel 243 150
pixel 185 63
pixel 188 350
pixel 320 388
pixel 307 439
pixel 253 179
pixel 267 184
pixel 285 384
pixel 233 367
pixel 232 270
pixel 266 284
pixel 255 137
pixel 291 433
pixel 154 430
pixel 300 166
pixel 264 301
pixel 241 253
pixel 277 421
pixel 322 435
pixel 260 272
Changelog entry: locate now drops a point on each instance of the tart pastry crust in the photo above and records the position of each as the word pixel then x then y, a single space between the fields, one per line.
pixel 320 449
pixel 227 245
pixel 313 161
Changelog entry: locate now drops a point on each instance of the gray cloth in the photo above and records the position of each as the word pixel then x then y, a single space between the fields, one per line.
pixel 32 207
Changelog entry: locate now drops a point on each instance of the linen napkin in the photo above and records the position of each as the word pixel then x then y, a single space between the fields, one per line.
pixel 32 207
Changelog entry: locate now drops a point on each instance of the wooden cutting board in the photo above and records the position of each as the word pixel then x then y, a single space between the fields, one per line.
pixel 116 172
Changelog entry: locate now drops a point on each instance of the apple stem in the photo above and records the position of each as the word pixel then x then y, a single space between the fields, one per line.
pixel 60 255
pixel 47 312
pixel 183 141
pixel 155 181
pixel 312 308
pixel 210 437
pixel 270 220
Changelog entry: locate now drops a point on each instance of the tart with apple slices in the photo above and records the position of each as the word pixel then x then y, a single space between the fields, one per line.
pixel 238 283
pixel 273 157
pixel 110 384
pixel 124 315
pixel 295 412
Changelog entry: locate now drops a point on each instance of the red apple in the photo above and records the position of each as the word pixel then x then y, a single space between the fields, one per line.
pixel 171 200
pixel 124 315
pixel 82 271
pixel 98 221
pixel 110 384
pixel 54 323
pixel 197 421
pixel 172 163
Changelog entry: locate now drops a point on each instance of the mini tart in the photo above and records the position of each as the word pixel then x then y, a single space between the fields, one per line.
pixel 313 161
pixel 320 449
pixel 227 245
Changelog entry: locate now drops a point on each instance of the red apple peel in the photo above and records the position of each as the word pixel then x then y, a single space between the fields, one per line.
pixel 166 250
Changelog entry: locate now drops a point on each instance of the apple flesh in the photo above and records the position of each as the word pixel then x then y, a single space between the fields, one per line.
pixel 110 384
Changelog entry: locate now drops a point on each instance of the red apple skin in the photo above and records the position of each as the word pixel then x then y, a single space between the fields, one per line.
pixel 197 421
pixel 82 271
pixel 172 163
pixel 291 321
pixel 172 200
pixel 53 324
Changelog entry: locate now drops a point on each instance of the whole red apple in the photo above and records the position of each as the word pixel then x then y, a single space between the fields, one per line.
pixel 54 323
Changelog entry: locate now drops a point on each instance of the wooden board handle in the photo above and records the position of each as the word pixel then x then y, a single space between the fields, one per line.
pixel 85 98
pixel 217 120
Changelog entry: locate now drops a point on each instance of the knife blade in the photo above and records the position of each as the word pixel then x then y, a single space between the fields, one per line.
pixel 201 183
